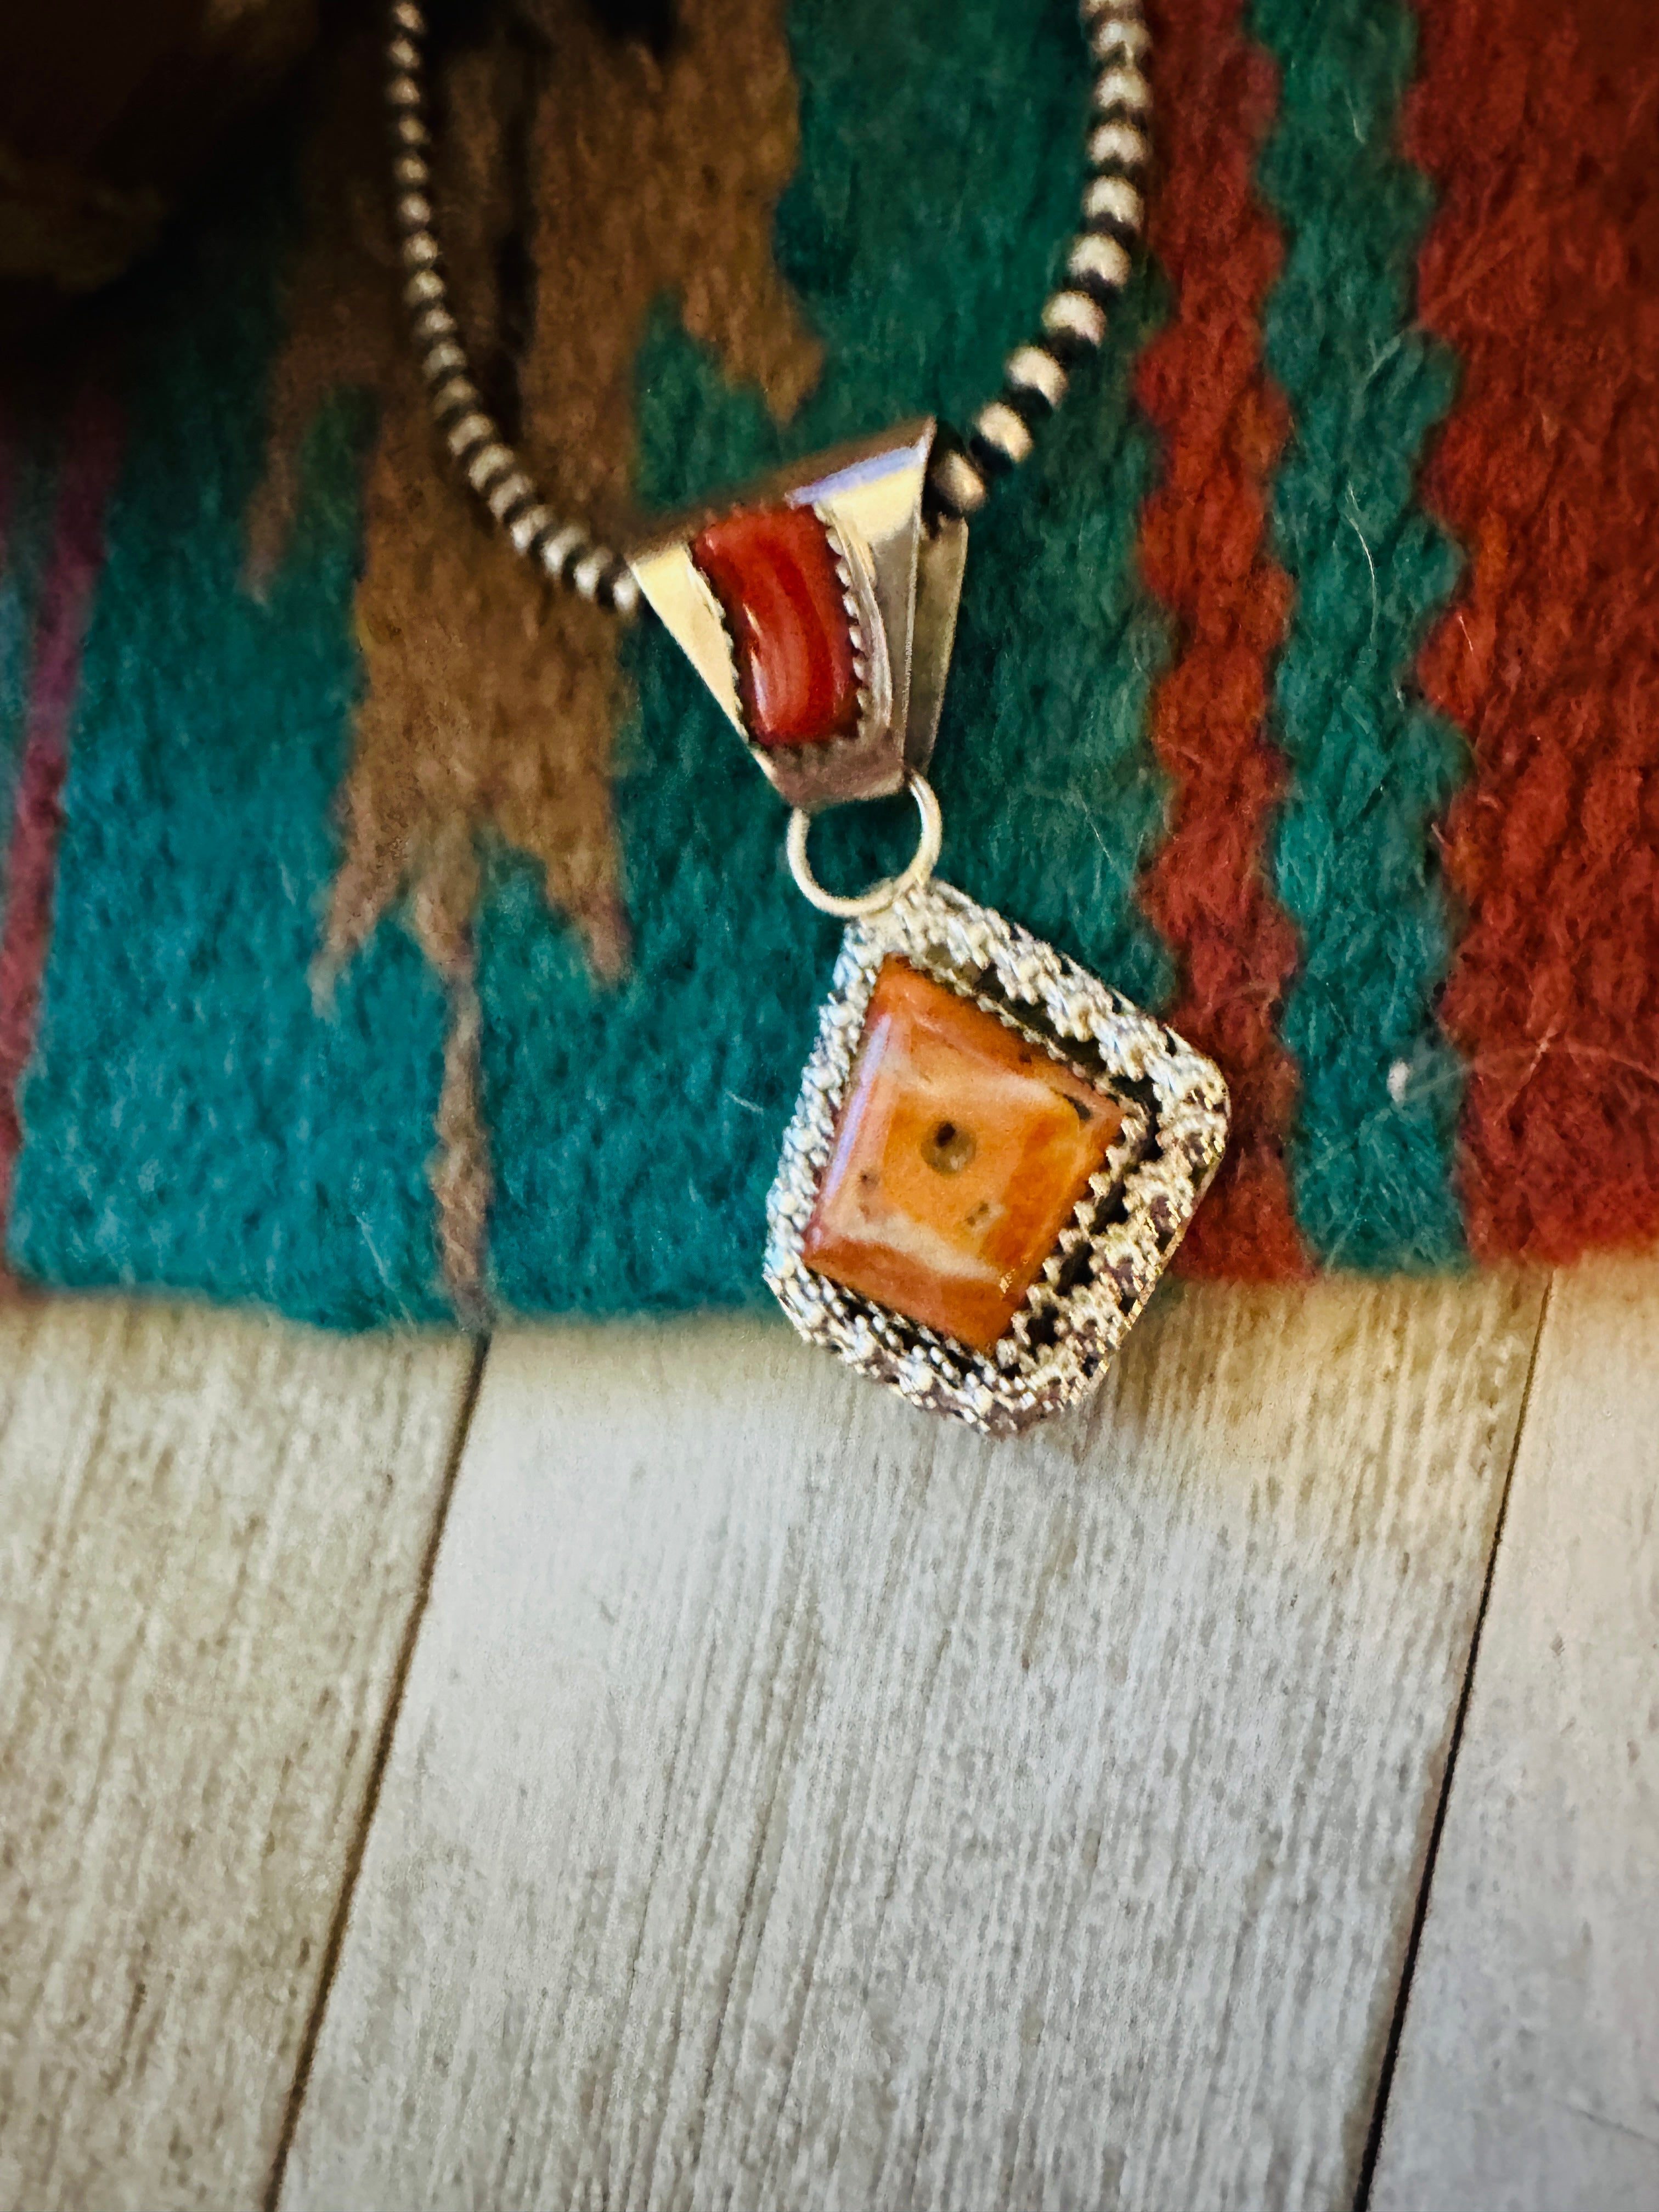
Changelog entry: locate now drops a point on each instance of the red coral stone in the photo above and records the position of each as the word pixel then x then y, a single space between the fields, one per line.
pixel 774 573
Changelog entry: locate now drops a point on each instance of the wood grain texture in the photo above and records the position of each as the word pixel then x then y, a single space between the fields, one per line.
pixel 1528 2079
pixel 214 1531
pixel 798 1803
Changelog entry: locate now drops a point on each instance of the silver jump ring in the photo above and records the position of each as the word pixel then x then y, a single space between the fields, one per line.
pixel 882 895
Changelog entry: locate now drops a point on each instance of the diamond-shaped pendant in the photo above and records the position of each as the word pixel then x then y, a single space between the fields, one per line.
pixel 993 1157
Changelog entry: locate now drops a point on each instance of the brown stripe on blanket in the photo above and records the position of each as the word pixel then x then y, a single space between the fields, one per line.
pixel 615 175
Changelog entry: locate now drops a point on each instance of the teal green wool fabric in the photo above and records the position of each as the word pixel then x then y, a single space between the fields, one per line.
pixel 194 1120
pixel 197 1121
pixel 201 1113
pixel 1373 768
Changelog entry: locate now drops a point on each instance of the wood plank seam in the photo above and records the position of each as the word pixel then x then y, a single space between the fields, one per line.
pixel 212 1527
pixel 1529 2069
pixel 331 1948
pixel 795 1810
pixel 1420 1911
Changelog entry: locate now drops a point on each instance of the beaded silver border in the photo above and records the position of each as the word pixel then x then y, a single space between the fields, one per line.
pixel 1119 1241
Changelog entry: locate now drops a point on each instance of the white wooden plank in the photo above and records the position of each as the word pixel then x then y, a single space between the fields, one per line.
pixel 798 1803
pixel 1528 2079
pixel 212 1534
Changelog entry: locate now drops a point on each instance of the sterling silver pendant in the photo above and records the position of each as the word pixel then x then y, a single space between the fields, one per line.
pixel 1023 1168
pixel 993 1155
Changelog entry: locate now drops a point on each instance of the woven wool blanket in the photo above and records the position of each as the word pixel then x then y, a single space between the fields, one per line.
pixel 385 940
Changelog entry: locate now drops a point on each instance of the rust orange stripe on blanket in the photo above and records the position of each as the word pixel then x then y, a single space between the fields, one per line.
pixel 1540 123
pixel 92 448
pixel 1202 551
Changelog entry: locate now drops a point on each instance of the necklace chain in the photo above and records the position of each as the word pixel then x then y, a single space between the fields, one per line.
pixel 961 470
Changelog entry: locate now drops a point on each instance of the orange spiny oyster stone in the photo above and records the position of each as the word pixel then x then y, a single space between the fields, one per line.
pixel 960 1153
pixel 773 570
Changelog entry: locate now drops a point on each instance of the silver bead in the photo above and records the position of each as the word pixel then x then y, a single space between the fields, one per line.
pixel 557 549
pixel 474 429
pixel 407 18
pixel 1090 10
pixel 958 482
pixel 1033 369
pixel 410 130
pixel 1123 88
pixel 456 392
pixel 999 426
pixel 585 576
pixel 1102 258
pixel 425 289
pixel 403 57
pixel 442 358
pixel 624 595
pixel 414 211
pixel 1113 199
pixel 420 251
pixel 489 462
pixel 403 91
pixel 1120 36
pixel 1117 145
pixel 514 489
pixel 433 323
pixel 412 172
pixel 1075 315
pixel 527 526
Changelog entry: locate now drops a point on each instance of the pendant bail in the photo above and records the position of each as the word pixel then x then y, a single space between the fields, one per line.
pixel 881 895
pixel 820 611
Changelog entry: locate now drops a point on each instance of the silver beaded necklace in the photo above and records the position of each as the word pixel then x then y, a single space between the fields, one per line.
pixel 994 1154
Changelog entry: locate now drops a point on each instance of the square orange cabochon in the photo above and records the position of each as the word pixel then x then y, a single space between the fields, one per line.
pixel 960 1153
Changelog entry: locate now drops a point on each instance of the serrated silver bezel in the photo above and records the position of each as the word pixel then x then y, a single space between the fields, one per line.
pixel 867 758
pixel 1119 1240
